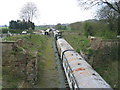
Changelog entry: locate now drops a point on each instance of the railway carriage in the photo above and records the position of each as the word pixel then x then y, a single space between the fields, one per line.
pixel 78 72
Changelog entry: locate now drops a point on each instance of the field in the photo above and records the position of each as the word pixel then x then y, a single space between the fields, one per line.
pixel 3 28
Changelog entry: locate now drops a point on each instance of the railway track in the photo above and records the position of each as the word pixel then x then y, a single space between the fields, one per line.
pixel 62 77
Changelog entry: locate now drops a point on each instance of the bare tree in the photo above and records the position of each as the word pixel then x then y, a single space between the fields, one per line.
pixel 106 12
pixel 114 4
pixel 29 11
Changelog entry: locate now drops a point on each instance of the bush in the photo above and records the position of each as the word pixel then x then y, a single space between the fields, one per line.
pixel 5 30
pixel 105 34
pixel 78 50
pixel 90 52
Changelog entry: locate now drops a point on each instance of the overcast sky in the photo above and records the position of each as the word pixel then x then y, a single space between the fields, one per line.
pixel 50 11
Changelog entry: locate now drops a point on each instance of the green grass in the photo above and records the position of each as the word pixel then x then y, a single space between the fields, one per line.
pixel 34 43
pixel 106 34
pixel 3 28
pixel 77 40
pixel 40 28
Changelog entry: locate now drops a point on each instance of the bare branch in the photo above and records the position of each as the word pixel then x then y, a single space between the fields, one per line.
pixel 113 4
pixel 29 11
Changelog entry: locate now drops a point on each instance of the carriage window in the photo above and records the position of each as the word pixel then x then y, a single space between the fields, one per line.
pixel 69 74
pixel 71 77
pixel 66 65
pixel 73 88
pixel 68 69
pixel 73 84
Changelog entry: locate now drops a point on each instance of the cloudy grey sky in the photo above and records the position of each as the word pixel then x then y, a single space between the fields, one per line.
pixel 50 11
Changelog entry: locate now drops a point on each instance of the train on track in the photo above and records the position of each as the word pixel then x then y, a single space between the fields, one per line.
pixel 78 72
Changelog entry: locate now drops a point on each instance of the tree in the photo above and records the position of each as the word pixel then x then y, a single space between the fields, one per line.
pixel 108 15
pixel 29 11
pixel 13 24
pixel 88 29
pixel 21 25
pixel 76 25
pixel 113 4
pixel 58 26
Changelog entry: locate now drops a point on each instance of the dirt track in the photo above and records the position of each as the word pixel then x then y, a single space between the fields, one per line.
pixel 48 74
